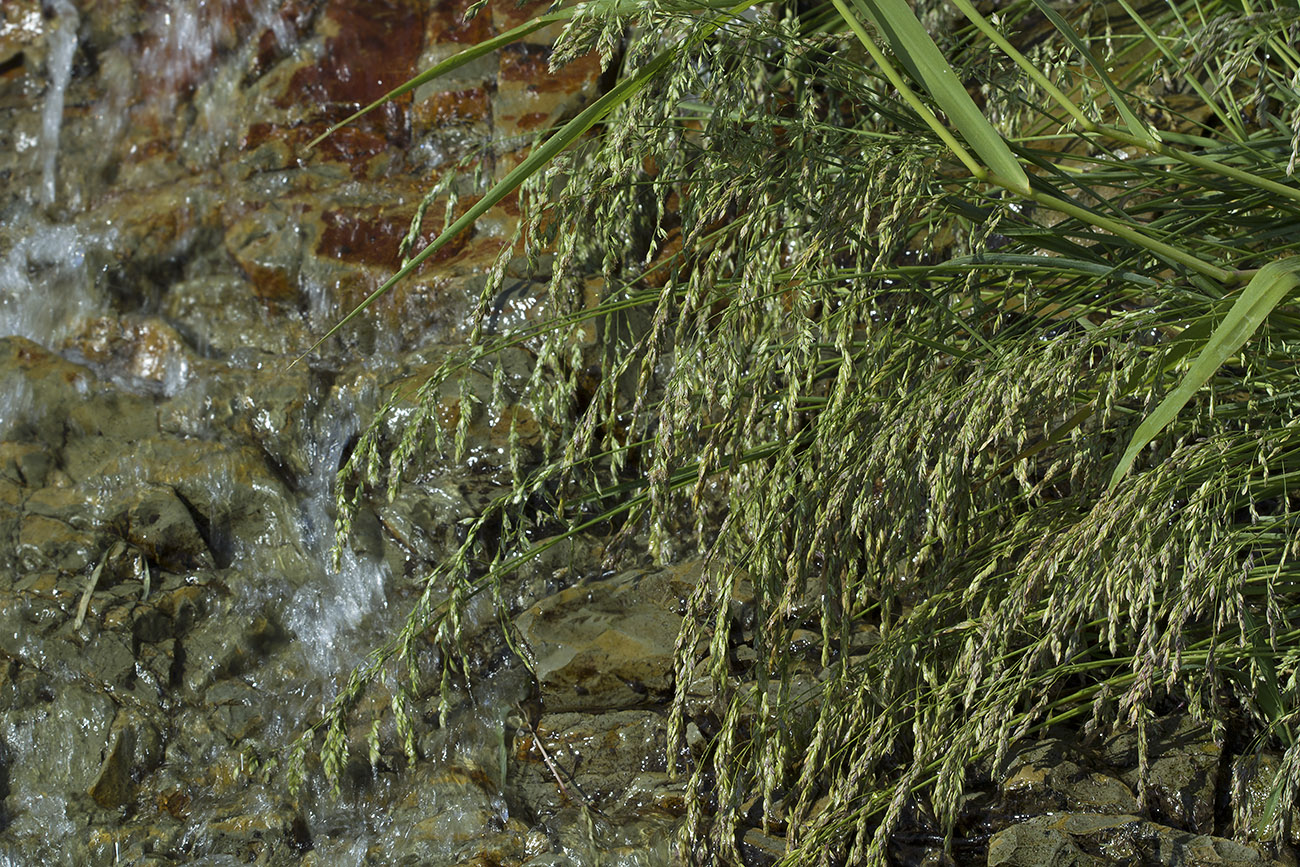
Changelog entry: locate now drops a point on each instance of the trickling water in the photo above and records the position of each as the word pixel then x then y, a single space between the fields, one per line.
pixel 331 609
pixel 63 43
pixel 45 292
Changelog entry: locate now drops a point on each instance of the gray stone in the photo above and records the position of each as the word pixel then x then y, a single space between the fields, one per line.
pixel 448 812
pixel 1183 776
pixel 1037 843
pixel 160 525
pixel 236 708
pixel 1052 775
pixel 135 748
pixel 607 644
pixel 761 850
pixel 227 645
pixel 220 313
pixel 47 543
pixel 57 747
pixel 1095 839
pixel 108 658
pixel 614 762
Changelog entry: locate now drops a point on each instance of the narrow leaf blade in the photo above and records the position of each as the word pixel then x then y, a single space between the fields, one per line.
pixel 535 162
pixel 1270 285
pixel 454 62
pixel 895 21
pixel 1135 126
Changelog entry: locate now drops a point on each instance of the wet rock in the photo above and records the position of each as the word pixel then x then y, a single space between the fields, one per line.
pixel 1253 778
pixel 135 748
pixel 12 693
pixel 22 464
pixel 226 314
pixel 68 401
pixel 62 501
pixel 274 410
pixel 268 245
pixel 159 524
pixel 531 97
pixel 46 543
pixel 557 568
pixel 139 349
pixel 447 808
pixel 1037 843
pixel 761 850
pixel 1053 775
pixel 1093 839
pixel 236 708
pixel 149 625
pixel 185 603
pixel 22 37
pixel 193 248
pixel 1183 778
pixel 26 615
pixel 367 52
pixel 108 658
pixel 608 644
pixel 612 762
pixel 239 506
pixel 417 526
pixel 57 747
pixel 266 834
pixel 227 645
pixel 158 665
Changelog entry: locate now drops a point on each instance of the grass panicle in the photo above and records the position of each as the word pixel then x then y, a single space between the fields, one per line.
pixel 984 378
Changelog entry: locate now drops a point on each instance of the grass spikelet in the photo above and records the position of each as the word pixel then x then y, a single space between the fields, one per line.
pixel 792 328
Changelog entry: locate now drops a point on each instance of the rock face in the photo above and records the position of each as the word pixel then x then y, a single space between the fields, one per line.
pixel 1082 806
pixel 168 245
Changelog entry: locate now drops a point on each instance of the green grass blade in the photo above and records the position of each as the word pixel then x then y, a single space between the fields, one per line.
pixel 1207 163
pixel 895 20
pixel 1267 288
pixel 1028 67
pixel 1136 126
pixel 535 162
pixel 905 92
pixel 1173 60
pixel 455 61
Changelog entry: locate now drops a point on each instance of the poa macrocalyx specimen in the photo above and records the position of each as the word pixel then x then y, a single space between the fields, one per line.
pixel 938 339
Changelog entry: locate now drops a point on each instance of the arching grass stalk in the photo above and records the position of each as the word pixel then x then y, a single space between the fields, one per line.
pixel 889 386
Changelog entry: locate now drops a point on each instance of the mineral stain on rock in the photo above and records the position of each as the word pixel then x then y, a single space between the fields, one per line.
pixel 368 50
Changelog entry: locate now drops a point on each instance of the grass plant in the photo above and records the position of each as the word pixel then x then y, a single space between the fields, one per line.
pixel 964 336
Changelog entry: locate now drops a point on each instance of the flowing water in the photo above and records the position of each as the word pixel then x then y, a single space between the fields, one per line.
pixel 166 511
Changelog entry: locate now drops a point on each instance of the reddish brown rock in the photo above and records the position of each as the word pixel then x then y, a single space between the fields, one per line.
pixel 267 246
pixel 446 108
pixel 373 237
pixel 446 23
pixel 530 96
pixel 507 15
pixel 370 49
